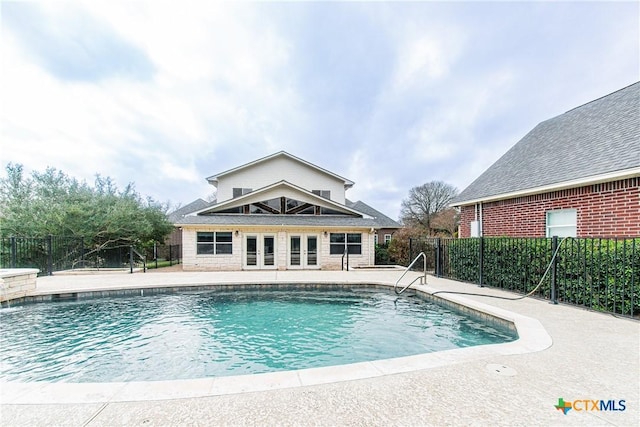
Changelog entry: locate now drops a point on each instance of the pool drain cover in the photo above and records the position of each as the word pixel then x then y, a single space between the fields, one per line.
pixel 501 369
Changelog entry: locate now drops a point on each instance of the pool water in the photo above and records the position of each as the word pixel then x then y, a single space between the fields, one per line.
pixel 215 333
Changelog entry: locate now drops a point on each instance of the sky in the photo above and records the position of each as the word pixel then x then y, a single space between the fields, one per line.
pixel 390 95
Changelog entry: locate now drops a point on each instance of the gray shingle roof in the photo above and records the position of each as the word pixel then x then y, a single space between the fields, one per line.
pixel 602 136
pixel 383 220
pixel 194 206
pixel 278 220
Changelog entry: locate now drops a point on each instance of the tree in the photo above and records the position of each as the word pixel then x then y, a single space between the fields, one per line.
pixel 54 203
pixel 426 204
pixel 445 223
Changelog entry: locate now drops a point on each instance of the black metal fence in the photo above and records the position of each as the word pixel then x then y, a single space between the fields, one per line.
pixel 163 255
pixel 599 274
pixel 48 254
pixel 54 253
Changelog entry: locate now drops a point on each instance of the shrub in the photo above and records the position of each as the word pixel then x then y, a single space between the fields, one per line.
pixel 601 274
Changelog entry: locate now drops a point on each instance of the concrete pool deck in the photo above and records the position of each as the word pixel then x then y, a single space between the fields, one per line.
pixel 566 353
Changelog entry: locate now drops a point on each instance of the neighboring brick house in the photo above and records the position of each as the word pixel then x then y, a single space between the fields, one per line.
pixel 278 212
pixel 577 174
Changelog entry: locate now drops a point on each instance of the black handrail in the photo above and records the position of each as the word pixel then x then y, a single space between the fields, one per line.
pixel 346 252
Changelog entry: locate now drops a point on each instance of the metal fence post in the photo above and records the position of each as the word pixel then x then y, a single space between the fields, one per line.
pixel 410 250
pixel 481 261
pixel 131 259
pixel 170 258
pixel 554 265
pixel 438 254
pixel 50 255
pixel 14 250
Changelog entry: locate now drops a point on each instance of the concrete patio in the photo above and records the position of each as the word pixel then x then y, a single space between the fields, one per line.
pixel 566 352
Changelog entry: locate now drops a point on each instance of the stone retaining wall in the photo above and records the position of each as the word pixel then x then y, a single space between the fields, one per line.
pixel 17 282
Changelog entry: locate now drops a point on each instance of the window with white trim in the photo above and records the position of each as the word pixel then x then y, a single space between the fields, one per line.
pixel 214 243
pixel 562 223
pixel 387 239
pixel 339 241
pixel 375 239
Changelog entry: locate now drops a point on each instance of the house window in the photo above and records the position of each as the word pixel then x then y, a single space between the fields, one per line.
pixel 562 223
pixel 387 239
pixel 351 241
pixel 214 243
pixel 328 211
pixel 322 193
pixel 375 239
pixel 237 192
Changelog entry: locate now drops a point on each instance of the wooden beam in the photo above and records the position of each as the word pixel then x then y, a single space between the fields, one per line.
pixel 266 208
pixel 298 209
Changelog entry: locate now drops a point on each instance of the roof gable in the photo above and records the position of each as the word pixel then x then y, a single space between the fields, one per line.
pixel 600 139
pixel 279 189
pixel 281 154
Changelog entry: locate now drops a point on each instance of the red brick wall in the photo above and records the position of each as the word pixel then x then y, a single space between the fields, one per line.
pixel 611 209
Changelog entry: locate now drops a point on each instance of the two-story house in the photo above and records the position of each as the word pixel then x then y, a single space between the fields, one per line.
pixel 279 212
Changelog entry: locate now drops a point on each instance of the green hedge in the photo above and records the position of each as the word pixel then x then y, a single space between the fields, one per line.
pixel 601 274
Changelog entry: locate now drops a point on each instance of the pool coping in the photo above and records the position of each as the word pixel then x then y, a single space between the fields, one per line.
pixel 532 337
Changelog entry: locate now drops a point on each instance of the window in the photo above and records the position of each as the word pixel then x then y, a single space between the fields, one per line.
pixel 328 211
pixel 387 238
pixel 375 239
pixel 214 243
pixel 562 223
pixel 338 242
pixel 232 210
pixel 322 193
pixel 237 192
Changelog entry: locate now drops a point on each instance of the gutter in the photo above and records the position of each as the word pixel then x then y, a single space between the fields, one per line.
pixel 581 182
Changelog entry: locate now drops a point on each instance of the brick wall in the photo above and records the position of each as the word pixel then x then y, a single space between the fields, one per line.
pixel 609 209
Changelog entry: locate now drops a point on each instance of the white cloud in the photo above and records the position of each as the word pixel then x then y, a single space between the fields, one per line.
pixel 425 55
pixel 434 90
pixel 214 83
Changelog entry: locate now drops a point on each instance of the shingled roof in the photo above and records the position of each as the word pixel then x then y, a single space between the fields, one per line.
pixel 597 141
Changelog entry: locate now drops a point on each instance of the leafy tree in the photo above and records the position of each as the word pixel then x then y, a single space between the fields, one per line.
pixel 426 206
pixel 399 246
pixel 51 202
pixel 445 223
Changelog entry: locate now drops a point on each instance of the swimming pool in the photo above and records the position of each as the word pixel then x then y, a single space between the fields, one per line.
pixel 204 333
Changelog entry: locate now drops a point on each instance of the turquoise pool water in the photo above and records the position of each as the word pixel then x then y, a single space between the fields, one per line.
pixel 215 333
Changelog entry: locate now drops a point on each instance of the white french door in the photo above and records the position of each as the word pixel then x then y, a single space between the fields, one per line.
pixel 303 251
pixel 260 251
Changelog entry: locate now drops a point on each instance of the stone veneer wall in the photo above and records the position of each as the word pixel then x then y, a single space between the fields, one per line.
pixel 234 262
pixel 17 282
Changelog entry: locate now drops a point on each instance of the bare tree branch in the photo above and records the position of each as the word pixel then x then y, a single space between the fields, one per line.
pixel 425 202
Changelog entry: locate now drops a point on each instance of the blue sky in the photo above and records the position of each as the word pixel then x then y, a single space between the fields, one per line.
pixel 390 95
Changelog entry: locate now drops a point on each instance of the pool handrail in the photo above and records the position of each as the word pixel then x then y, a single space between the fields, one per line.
pixel 423 278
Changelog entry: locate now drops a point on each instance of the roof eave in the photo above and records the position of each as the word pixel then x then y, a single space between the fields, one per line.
pixel 581 182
